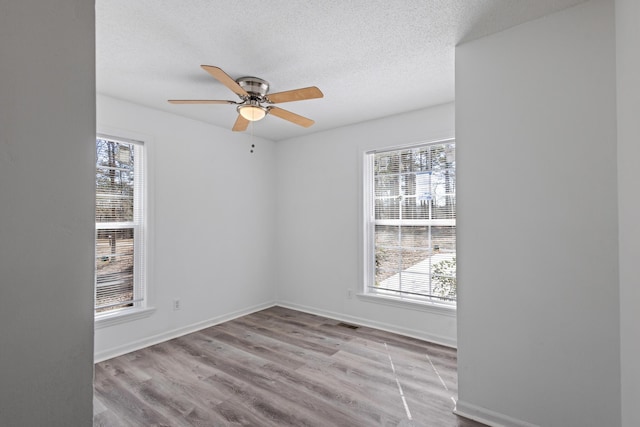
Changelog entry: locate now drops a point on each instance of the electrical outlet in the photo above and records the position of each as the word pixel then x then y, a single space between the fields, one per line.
pixel 176 304
pixel 349 293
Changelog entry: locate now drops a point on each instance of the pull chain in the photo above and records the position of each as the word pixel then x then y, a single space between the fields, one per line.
pixel 252 144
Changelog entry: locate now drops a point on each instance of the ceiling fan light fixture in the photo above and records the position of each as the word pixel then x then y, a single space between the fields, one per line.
pixel 253 113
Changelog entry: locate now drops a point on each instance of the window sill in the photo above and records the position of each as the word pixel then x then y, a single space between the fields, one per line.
pixel 111 319
pixel 441 309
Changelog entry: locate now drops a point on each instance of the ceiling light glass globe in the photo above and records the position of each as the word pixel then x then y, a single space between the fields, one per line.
pixel 252 113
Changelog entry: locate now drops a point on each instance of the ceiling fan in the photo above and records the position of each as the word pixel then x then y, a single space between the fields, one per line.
pixel 253 93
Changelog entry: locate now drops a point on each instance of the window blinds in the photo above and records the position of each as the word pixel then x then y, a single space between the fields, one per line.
pixel 411 221
pixel 119 272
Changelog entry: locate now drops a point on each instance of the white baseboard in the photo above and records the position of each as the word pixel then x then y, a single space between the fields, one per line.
pixel 413 333
pixel 175 333
pixel 488 417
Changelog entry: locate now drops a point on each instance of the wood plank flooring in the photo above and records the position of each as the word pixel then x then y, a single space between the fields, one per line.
pixel 280 367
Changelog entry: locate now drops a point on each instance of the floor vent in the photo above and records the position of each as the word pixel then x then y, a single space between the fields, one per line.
pixel 346 325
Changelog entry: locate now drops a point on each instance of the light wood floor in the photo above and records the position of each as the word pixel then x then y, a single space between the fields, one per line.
pixel 280 367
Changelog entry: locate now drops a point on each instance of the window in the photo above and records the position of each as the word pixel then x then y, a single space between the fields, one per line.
pixel 410 223
pixel 119 271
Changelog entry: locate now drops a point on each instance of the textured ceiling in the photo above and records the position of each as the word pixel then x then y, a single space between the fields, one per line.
pixel 371 58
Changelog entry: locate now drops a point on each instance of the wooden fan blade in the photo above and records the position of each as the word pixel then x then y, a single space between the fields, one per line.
pixel 224 78
pixel 200 101
pixel 295 95
pixel 292 117
pixel 241 124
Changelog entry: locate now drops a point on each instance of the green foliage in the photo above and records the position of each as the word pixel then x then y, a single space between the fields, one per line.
pixel 381 257
pixel 443 277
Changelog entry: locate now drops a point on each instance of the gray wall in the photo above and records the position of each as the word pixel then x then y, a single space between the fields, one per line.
pixel 47 134
pixel 211 227
pixel 538 313
pixel 628 72
pixel 319 222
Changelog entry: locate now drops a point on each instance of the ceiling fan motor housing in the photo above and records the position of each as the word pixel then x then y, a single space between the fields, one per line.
pixel 254 85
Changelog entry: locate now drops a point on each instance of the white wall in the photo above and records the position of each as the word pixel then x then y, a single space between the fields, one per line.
pixel 318 242
pixel 628 73
pixel 213 217
pixel 537 221
pixel 47 128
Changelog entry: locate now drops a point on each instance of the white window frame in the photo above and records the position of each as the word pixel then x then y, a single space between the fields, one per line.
pixel 141 307
pixel 368 238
